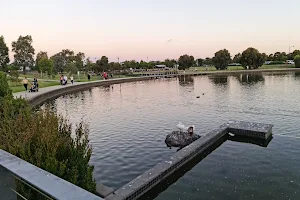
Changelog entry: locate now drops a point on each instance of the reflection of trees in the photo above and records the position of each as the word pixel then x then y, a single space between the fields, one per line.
pixel 250 78
pixel 297 73
pixel 219 79
pixel 185 80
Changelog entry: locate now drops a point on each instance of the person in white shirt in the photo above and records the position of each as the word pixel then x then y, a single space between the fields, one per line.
pixel 72 79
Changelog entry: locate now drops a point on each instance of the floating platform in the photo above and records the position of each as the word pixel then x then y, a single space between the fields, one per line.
pixel 151 178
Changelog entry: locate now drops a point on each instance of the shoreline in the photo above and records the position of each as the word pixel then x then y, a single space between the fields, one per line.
pixel 52 92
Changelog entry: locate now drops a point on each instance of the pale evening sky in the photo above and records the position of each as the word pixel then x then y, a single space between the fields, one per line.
pixel 159 29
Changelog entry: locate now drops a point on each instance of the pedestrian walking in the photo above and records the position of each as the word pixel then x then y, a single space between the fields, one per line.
pixel 72 79
pixel 25 83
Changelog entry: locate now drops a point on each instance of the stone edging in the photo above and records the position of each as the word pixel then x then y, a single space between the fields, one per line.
pixel 52 94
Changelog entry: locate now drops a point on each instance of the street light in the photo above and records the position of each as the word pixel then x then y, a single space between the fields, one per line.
pixel 290 49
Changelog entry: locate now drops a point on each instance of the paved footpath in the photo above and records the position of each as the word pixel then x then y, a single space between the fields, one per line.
pixel 29 95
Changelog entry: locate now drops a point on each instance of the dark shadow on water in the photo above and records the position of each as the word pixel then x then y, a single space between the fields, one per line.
pixel 154 192
pixel 186 80
pixel 250 78
pixel 219 80
pixel 259 142
pixel 297 74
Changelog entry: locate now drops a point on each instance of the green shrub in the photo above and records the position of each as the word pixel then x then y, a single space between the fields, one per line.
pixel 45 140
pixel 4 87
pixel 297 61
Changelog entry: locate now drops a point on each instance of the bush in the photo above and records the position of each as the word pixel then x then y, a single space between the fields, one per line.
pixel 45 140
pixel 4 87
pixel 297 61
pixel 252 58
pixel 14 77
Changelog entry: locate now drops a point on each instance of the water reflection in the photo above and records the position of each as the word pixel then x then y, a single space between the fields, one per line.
pixel 297 74
pixel 219 80
pixel 250 78
pixel 185 80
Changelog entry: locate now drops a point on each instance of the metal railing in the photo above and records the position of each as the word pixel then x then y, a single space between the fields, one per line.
pixel 22 180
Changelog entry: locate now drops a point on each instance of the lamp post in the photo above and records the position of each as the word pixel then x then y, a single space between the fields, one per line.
pixel 290 49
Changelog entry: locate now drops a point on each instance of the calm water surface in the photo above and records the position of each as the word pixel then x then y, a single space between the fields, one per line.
pixel 129 122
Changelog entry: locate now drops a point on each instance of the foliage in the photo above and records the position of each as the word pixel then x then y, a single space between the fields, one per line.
pixel 222 59
pixel 14 76
pixel 102 64
pixel 45 65
pixel 185 62
pixel 297 61
pixel 252 58
pixel 170 63
pixel 23 52
pixel 295 53
pixel 4 59
pixel 200 62
pixel 39 56
pixel 208 61
pixel 45 140
pixel 71 68
pixel 143 65
pixel 237 58
pixel 62 59
pixel 4 87
pixel 78 59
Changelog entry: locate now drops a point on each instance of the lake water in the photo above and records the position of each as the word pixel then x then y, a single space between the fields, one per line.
pixel 129 122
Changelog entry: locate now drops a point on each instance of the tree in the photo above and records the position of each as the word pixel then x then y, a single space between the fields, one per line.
pixel 79 58
pixel 170 63
pixel 71 68
pixel 270 57
pixel 208 61
pixel 296 52
pixel 252 58
pixel 39 56
pixel 58 62
pixel 102 64
pixel 185 62
pixel 222 59
pixel 24 52
pixel 143 65
pixel 297 61
pixel 45 65
pixel 237 58
pixel 4 87
pixel 4 59
pixel 199 62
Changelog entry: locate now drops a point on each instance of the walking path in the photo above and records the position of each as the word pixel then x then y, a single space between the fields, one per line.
pixel 30 95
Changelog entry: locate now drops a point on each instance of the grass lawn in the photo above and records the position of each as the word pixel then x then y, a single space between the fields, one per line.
pixel 18 87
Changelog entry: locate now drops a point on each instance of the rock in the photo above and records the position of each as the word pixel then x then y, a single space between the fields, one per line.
pixel 180 139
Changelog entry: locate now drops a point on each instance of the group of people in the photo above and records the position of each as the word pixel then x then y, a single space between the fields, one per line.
pixel 64 79
pixel 34 87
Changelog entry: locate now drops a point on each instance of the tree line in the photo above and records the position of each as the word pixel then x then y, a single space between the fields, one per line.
pixel 71 62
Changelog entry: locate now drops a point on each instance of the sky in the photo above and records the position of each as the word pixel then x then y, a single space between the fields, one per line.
pixel 157 29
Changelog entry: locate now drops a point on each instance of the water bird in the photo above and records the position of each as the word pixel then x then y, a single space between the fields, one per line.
pixel 181 138
pixel 198 97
